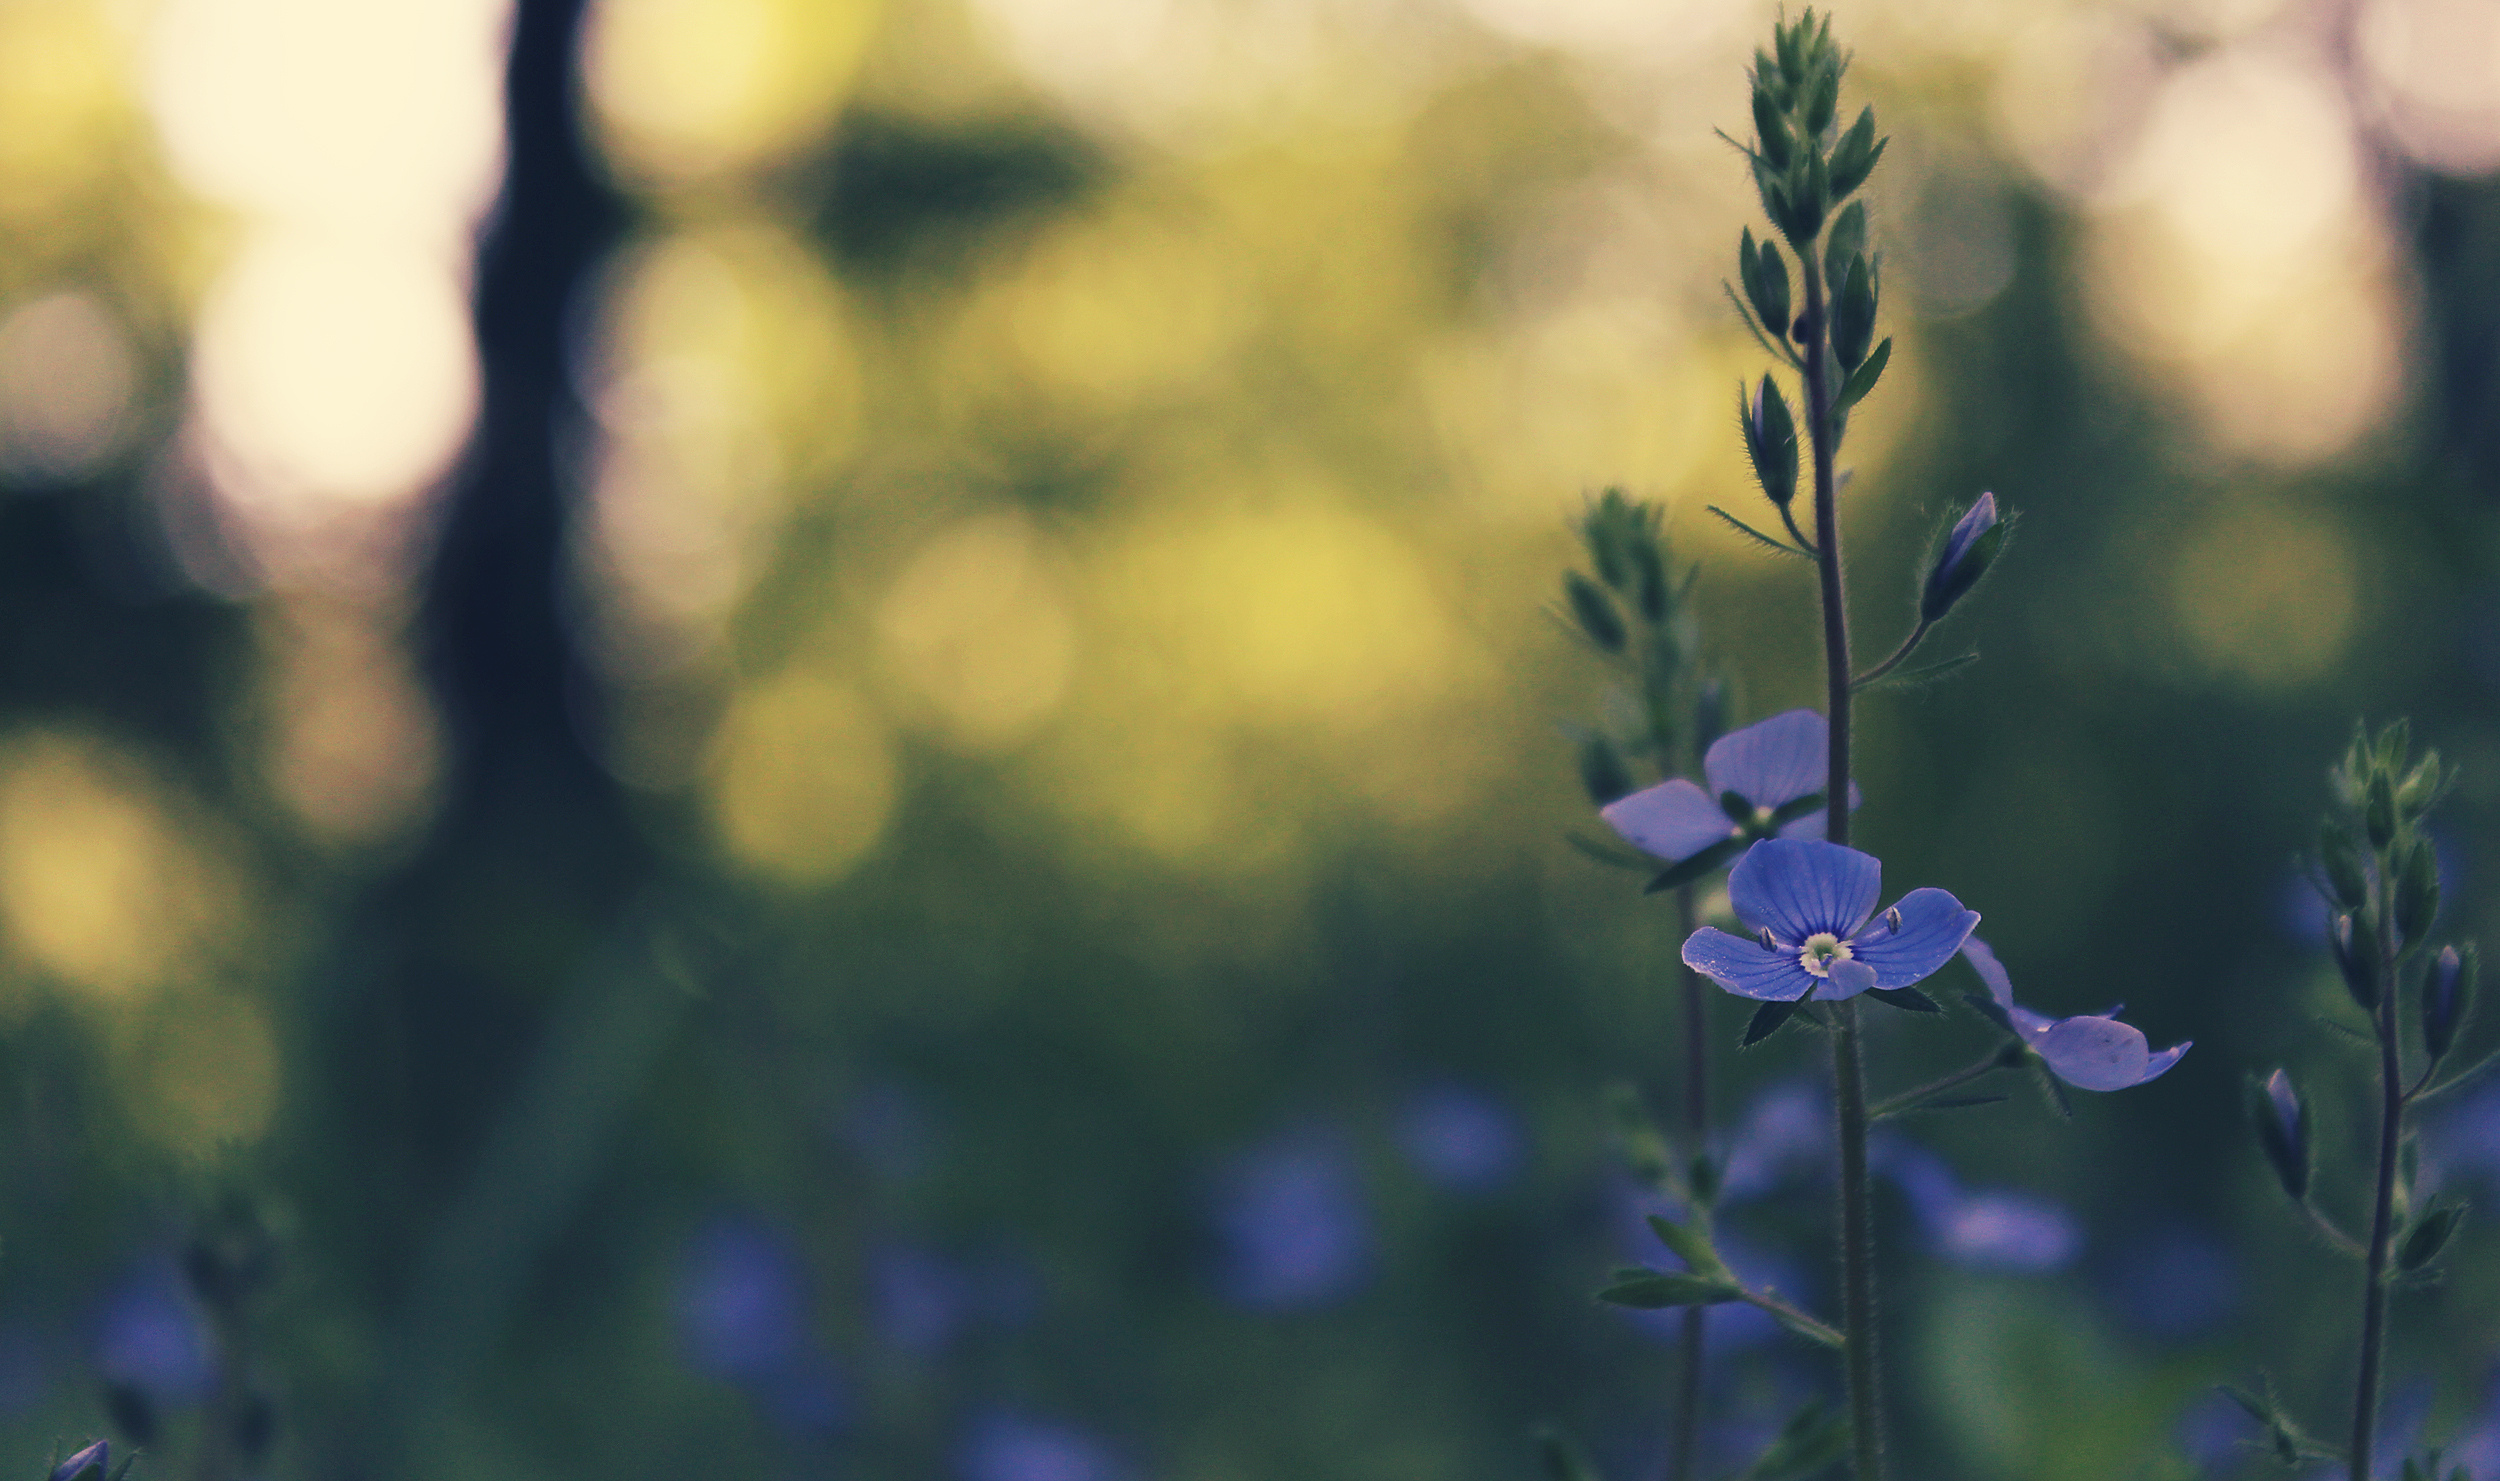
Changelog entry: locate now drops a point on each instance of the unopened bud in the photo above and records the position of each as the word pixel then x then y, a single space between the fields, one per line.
pixel 1772 130
pixel 2428 1236
pixel 2447 993
pixel 1853 314
pixel 2282 1122
pixel 2419 789
pixel 2417 892
pixel 2355 949
pixel 1846 240
pixel 1771 441
pixel 2378 809
pixel 1969 548
pixel 1765 274
pixel 2340 857
pixel 1854 157
pixel 1595 612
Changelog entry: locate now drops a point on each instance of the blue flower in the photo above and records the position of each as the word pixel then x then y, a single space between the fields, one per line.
pixel 2091 1051
pixel 1968 550
pixel 1765 767
pixel 1817 932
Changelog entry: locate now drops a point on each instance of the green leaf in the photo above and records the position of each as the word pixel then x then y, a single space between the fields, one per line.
pixel 1768 1019
pixel 1691 869
pixel 1810 1442
pixel 2428 1236
pixel 1907 999
pixel 1691 1245
pixel 1955 1103
pixel 1607 853
pixel 1660 1289
pixel 1863 379
pixel 1789 812
pixel 1774 541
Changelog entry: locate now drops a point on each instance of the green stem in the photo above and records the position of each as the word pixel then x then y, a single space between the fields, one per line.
pixel 1909 645
pixel 2383 1207
pixel 1894 1105
pixel 1857 1231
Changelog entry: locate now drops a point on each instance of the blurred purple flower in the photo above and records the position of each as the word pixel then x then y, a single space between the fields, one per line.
pixel 2091 1051
pixel 917 1300
pixel 151 1337
pixel 1461 1139
pixel 1812 907
pixel 1992 1229
pixel 1766 766
pixel 1788 1125
pixel 2477 1444
pixel 2174 1283
pixel 2465 1139
pixel 1000 1446
pixel 741 1302
pixel 1291 1224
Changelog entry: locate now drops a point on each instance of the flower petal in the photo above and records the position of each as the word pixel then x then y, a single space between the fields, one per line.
pixel 1933 927
pixel 1673 820
pixel 1847 980
pixel 2095 1053
pixel 1983 959
pixel 1772 762
pixel 1747 968
pixel 2156 1064
pixel 1799 886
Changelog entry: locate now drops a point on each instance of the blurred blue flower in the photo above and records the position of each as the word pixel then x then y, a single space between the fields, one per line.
pixel 1461 1139
pixel 1993 1229
pixel 1291 1224
pixel 2477 1443
pixel 2174 1283
pixel 2215 1432
pixel 1789 1125
pixel 2091 1051
pixel 1000 1446
pixel 741 1302
pixel 1766 766
pixel 150 1337
pixel 1812 906
pixel 917 1300
pixel 2466 1138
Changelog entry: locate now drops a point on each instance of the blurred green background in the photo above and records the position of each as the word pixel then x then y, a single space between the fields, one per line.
pixel 871 781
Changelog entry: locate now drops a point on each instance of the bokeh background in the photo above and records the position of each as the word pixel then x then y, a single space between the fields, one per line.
pixel 826 738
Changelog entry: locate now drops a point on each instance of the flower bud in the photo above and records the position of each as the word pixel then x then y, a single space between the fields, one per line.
pixel 1847 240
pixel 1969 548
pixel 1854 157
pixel 1822 101
pixel 2340 857
pixel 90 1464
pixel 1771 441
pixel 1853 314
pixel 1595 612
pixel 1772 131
pixel 2417 892
pixel 2378 809
pixel 2355 948
pixel 1603 771
pixel 2447 992
pixel 1809 196
pixel 2419 789
pixel 1766 283
pixel 2428 1236
pixel 2282 1122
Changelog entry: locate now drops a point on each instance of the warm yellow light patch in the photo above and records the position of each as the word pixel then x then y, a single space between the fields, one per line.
pixel 2265 595
pixel 353 746
pixel 695 88
pixel 976 627
pixel 98 884
pixel 803 779
pixel 200 1070
pixel 64 93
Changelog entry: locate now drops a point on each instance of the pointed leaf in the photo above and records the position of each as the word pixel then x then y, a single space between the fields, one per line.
pixel 1690 1244
pixel 1662 1288
pixel 1863 379
pixel 1907 999
pixel 1768 1019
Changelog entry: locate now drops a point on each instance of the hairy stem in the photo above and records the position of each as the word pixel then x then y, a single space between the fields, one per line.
pixel 1696 1142
pixel 1894 1105
pixel 1857 1232
pixel 2383 1205
pixel 1908 645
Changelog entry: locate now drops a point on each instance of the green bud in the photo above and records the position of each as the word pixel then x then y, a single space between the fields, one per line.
pixel 1603 772
pixel 2340 858
pixel 1853 314
pixel 1595 612
pixel 1790 41
pixel 1651 594
pixel 1809 195
pixel 1854 157
pixel 2393 743
pixel 1771 440
pixel 2419 789
pixel 2378 809
pixel 1822 100
pixel 2281 1117
pixel 2354 946
pixel 1847 240
pixel 1603 531
pixel 2428 1236
pixel 2417 893
pixel 1771 131
pixel 1766 285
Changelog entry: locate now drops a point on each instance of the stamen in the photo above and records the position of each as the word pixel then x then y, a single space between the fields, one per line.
pixel 1767 943
pixel 1892 918
pixel 1820 950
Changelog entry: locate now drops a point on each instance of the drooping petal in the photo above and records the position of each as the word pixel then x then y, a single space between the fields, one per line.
pixel 1983 959
pixel 1848 979
pixel 1933 927
pixel 1673 820
pixel 2157 1064
pixel 1747 968
pixel 2095 1053
pixel 1800 886
pixel 1815 823
pixel 1773 762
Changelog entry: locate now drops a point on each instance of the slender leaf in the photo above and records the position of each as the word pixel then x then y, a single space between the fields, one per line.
pixel 1772 541
pixel 1863 379
pixel 1907 999
pixel 1659 1289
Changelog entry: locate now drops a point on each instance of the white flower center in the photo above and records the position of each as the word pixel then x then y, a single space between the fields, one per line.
pixel 1821 950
